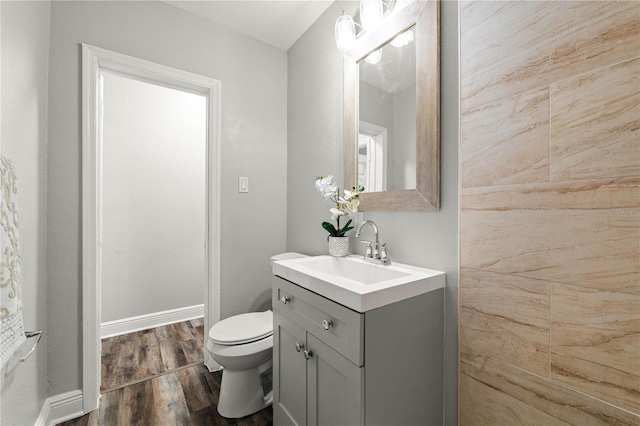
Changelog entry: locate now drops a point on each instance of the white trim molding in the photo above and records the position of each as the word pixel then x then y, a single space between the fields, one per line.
pixel 60 408
pixel 94 61
pixel 147 321
pixel 44 418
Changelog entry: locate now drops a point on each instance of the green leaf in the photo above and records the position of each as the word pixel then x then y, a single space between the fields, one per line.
pixel 346 228
pixel 330 228
pixel 344 231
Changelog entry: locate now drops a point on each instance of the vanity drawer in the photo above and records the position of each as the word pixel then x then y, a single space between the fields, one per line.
pixel 345 333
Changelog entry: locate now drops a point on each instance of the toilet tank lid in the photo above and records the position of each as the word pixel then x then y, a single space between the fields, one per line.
pixel 243 328
pixel 287 255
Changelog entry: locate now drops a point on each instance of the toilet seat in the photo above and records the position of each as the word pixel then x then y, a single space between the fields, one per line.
pixel 242 329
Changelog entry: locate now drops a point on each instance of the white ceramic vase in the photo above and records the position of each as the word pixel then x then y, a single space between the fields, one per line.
pixel 338 246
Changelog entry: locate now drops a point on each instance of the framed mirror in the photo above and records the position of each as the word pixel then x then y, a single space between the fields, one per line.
pixel 392 112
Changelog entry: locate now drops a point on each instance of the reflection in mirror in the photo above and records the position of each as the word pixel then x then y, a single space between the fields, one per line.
pixel 372 157
pixel 387 116
pixel 392 112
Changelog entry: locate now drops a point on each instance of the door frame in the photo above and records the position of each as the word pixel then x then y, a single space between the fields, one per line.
pixel 379 136
pixel 95 60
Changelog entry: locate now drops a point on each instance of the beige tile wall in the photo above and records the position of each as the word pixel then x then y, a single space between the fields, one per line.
pixel 550 213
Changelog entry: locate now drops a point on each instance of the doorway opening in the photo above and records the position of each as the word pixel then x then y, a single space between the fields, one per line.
pixel 150 222
pixel 372 157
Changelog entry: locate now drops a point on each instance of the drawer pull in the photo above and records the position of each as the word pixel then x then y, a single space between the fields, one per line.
pixel 299 346
pixel 327 324
pixel 285 300
pixel 307 355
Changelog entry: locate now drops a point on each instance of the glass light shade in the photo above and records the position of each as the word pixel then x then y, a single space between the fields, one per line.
pixel 345 32
pixel 374 57
pixel 402 39
pixel 371 13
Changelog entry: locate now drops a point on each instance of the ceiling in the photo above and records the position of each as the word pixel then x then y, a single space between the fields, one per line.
pixel 278 23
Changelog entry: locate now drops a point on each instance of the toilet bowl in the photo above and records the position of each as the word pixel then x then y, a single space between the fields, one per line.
pixel 243 346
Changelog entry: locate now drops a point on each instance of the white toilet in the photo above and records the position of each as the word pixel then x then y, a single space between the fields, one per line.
pixel 243 346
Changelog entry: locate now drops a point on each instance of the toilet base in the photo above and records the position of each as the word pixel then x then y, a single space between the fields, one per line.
pixel 242 393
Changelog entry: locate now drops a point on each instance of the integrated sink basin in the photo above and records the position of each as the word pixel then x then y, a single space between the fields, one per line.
pixel 356 283
pixel 352 269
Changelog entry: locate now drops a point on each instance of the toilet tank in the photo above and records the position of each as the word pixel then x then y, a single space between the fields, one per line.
pixel 285 256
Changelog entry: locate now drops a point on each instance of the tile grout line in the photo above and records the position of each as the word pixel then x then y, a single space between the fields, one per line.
pixel 549 132
pixel 551 284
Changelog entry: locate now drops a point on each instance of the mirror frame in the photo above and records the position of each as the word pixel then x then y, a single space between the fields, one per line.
pixel 425 15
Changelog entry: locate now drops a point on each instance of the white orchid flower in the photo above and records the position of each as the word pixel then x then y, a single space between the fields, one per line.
pixel 347 205
pixel 336 213
pixel 349 195
pixel 351 206
pixel 325 184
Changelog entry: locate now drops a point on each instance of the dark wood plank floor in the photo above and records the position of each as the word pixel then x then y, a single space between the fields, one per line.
pixel 164 383
pixel 131 358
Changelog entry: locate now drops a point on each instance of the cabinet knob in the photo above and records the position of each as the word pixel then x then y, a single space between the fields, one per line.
pixel 307 354
pixel 299 346
pixel 285 299
pixel 327 324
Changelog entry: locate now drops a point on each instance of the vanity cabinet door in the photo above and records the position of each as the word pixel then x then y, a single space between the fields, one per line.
pixel 289 373
pixel 334 387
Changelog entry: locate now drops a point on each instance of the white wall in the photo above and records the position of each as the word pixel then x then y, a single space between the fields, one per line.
pixel 254 140
pixel 315 148
pixel 23 88
pixel 153 218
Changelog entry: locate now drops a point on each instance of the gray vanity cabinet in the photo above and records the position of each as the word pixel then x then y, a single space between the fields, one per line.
pixel 315 384
pixel 379 367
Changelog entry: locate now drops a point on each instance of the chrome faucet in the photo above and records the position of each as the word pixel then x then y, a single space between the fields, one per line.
pixel 376 252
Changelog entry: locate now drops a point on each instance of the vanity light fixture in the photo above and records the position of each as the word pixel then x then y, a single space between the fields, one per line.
pixel 374 57
pixel 402 39
pixel 372 13
pixel 345 32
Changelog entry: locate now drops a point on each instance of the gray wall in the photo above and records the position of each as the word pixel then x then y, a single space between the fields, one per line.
pixel 24 47
pixel 254 140
pixel 315 148
pixel 404 146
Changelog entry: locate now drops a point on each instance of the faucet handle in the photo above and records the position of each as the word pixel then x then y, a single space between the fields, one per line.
pixel 383 251
pixel 369 252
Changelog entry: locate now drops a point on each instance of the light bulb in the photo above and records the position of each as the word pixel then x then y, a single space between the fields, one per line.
pixel 345 32
pixel 402 39
pixel 374 57
pixel 370 13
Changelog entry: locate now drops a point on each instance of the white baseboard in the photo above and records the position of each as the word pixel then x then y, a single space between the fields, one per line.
pixel 60 408
pixel 144 322
pixel 45 414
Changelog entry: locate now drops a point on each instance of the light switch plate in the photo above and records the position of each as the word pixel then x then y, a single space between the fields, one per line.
pixel 243 184
pixel 358 218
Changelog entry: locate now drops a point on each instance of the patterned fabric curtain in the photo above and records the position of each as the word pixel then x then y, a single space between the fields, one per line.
pixel 12 329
